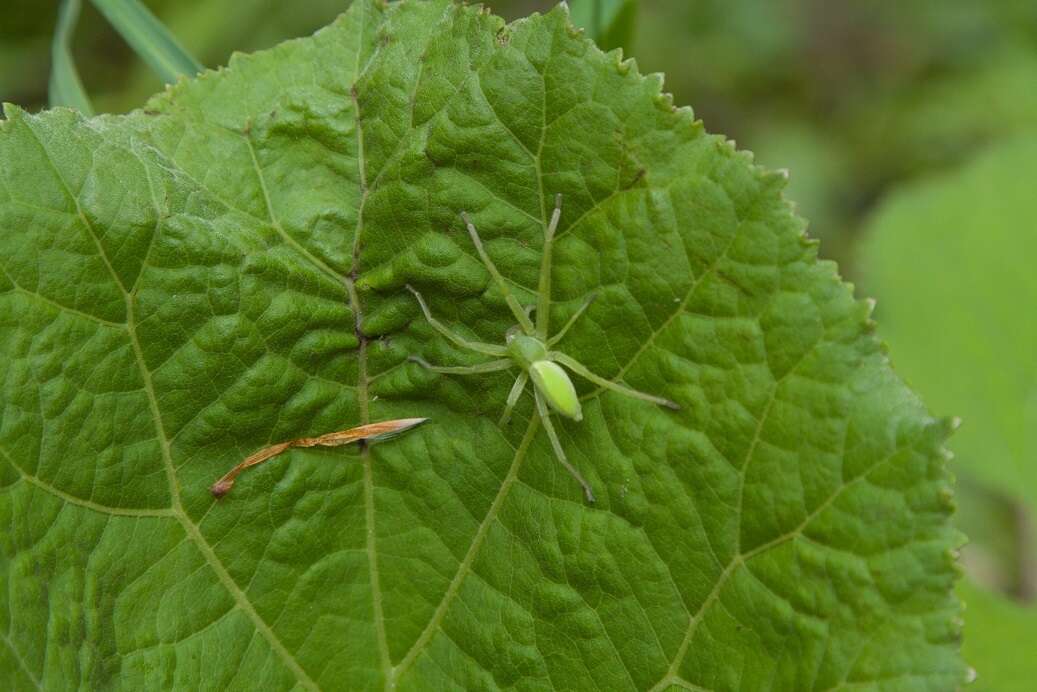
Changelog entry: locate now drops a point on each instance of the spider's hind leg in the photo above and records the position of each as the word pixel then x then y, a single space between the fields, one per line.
pixel 513 396
pixel 557 445
pixel 585 372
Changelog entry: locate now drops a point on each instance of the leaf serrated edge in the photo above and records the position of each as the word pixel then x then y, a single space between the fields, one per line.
pixel 866 325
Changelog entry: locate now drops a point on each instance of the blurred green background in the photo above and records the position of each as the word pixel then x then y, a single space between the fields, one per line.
pixel 910 130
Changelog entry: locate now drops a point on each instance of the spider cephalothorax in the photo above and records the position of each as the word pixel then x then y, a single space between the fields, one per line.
pixel 528 348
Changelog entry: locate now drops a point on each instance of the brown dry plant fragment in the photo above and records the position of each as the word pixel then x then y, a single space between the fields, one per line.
pixel 370 432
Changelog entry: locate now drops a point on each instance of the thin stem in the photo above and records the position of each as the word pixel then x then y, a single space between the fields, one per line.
pixel 544 289
pixel 477 346
pixel 516 307
pixel 491 366
pixel 572 320
pixel 513 396
pixel 582 371
pixel 545 418
pixel 372 431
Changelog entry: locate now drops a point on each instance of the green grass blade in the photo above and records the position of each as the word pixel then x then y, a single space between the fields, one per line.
pixel 152 41
pixel 65 89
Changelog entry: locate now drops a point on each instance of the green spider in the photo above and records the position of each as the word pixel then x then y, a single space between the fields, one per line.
pixel 528 348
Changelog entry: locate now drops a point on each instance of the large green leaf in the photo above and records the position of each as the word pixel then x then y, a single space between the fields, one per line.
pixel 174 296
pixel 952 262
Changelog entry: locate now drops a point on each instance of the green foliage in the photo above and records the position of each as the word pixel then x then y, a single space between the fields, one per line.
pixel 962 305
pixel 1000 634
pixel 884 90
pixel 149 38
pixel 610 23
pixel 175 293
pixel 951 116
pixel 952 263
pixel 212 30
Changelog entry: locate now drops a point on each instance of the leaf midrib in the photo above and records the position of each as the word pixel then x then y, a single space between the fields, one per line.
pixel 363 382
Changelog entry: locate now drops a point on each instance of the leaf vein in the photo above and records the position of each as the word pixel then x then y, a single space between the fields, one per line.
pixel 190 527
pixel 742 558
pixel 466 563
pixel 21 662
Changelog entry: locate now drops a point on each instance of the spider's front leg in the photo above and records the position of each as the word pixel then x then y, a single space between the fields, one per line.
pixel 544 284
pixel 478 369
pixel 477 346
pixel 521 314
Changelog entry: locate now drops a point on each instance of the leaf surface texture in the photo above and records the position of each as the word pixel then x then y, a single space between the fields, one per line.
pixel 173 296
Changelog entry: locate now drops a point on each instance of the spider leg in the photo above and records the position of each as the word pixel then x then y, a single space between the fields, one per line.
pixel 559 452
pixel 513 396
pixel 490 366
pixel 572 320
pixel 516 307
pixel 544 288
pixel 584 372
pixel 477 346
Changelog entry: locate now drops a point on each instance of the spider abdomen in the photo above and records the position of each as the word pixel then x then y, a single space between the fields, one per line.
pixel 557 389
